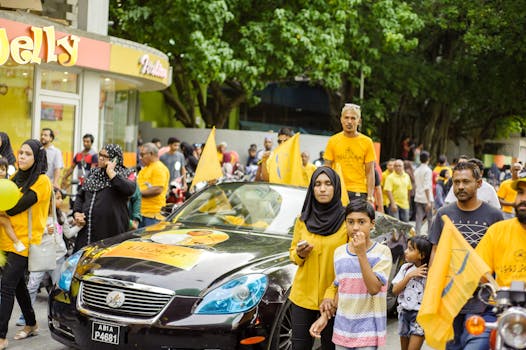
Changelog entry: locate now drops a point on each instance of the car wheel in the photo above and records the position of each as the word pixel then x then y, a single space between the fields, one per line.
pixel 282 330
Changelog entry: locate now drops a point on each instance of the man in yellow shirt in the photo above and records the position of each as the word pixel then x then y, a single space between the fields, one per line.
pixel 504 244
pixel 398 187
pixel 153 183
pixel 506 194
pixel 355 153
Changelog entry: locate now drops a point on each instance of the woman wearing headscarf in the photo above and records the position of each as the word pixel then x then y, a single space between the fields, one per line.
pixel 6 151
pixel 101 204
pixel 35 189
pixel 318 232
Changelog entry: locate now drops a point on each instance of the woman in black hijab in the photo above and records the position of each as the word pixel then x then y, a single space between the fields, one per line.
pixel 101 206
pixel 318 232
pixel 35 188
pixel 6 151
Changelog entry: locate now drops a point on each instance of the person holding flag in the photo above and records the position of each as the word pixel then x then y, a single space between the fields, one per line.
pixel 472 217
pixel 284 164
pixel 503 246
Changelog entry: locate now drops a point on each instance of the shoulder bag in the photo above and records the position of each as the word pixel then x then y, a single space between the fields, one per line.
pixel 42 257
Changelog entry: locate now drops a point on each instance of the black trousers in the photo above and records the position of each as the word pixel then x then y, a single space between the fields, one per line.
pixel 14 284
pixel 302 319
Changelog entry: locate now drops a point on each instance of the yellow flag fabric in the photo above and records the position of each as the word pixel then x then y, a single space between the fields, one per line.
pixel 345 196
pixel 284 164
pixel 452 278
pixel 208 167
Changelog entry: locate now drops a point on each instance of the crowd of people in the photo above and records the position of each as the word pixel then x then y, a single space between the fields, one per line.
pixel 339 290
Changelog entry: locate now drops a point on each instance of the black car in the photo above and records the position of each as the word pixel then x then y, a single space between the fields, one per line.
pixel 215 275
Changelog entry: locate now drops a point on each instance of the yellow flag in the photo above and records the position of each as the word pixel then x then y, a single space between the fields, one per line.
pixel 345 196
pixel 284 164
pixel 452 278
pixel 208 167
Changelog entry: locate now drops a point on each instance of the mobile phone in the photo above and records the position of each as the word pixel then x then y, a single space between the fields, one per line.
pixel 302 243
pixel 115 160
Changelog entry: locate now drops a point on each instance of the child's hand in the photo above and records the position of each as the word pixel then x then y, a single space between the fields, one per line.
pixel 50 229
pixel 318 326
pixel 420 271
pixel 328 307
pixel 359 243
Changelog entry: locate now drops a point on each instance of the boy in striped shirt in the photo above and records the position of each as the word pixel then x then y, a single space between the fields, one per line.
pixel 362 269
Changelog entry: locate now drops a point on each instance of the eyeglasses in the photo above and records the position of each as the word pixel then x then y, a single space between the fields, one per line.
pixel 353 106
pixel 142 154
pixel 104 156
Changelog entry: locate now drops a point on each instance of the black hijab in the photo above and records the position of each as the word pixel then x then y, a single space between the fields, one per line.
pixel 26 178
pixel 6 151
pixel 98 179
pixel 323 219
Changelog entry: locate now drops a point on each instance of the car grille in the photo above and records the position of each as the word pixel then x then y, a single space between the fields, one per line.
pixel 141 303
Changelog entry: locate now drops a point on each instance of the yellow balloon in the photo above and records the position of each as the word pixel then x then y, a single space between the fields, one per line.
pixel 9 194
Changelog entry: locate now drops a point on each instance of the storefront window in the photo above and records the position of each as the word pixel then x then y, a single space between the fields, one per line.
pixel 119 116
pixel 63 81
pixel 16 102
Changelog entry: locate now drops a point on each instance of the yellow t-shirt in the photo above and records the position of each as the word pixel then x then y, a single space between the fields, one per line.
pixel 385 197
pixel 308 170
pixel 154 174
pixel 399 185
pixel 503 248
pixel 39 213
pixel 315 275
pixel 439 168
pixel 508 194
pixel 352 153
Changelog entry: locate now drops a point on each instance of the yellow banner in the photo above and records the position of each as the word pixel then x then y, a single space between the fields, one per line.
pixel 284 164
pixel 452 278
pixel 208 167
pixel 182 257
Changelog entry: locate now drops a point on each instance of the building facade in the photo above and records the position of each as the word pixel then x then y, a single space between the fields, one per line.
pixel 74 81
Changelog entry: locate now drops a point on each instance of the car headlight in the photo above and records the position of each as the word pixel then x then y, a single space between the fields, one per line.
pixel 238 295
pixel 67 270
pixel 512 327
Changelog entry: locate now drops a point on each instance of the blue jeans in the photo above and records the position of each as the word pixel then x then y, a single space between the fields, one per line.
pixel 147 221
pixel 466 341
pixel 400 214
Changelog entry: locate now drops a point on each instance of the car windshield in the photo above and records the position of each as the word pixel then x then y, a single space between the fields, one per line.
pixel 258 207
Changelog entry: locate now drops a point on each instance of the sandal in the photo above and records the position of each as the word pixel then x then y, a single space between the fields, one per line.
pixel 4 344
pixel 26 332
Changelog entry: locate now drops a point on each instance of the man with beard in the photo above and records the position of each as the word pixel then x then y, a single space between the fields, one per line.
pixel 472 217
pixel 503 247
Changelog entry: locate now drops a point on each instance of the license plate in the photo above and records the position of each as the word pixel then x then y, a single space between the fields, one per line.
pixel 105 332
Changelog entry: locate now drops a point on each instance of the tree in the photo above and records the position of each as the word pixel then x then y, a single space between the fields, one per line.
pixel 462 81
pixel 224 50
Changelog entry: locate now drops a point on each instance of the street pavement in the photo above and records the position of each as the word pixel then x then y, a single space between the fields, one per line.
pixel 45 342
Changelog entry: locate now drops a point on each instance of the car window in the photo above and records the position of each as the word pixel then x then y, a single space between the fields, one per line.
pixel 256 207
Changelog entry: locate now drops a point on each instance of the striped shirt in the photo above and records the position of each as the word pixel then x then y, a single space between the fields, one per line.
pixel 361 318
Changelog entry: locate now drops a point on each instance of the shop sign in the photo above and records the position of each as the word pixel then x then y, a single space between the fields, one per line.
pixel 28 49
pixel 155 69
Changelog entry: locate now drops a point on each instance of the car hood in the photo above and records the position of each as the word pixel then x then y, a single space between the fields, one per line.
pixel 185 260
